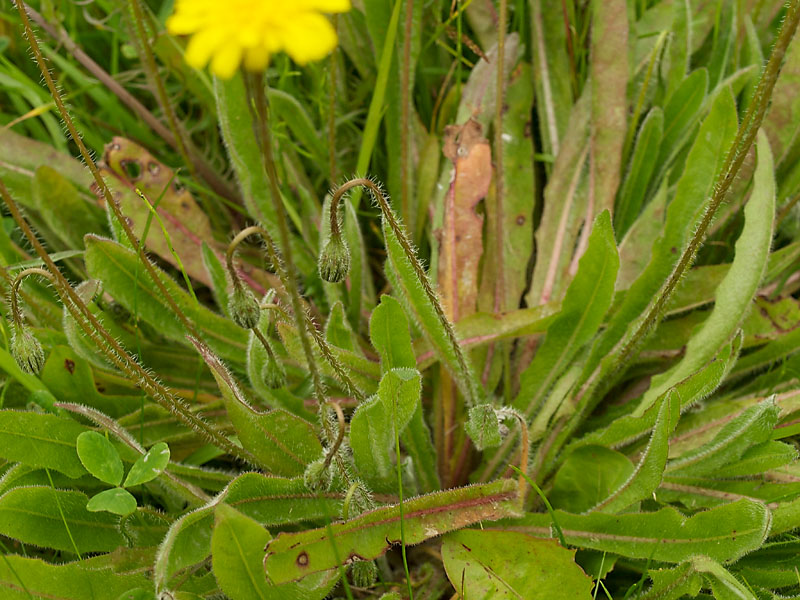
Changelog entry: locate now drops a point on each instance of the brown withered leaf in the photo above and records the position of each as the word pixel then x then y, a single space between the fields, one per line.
pixel 461 236
pixel 127 166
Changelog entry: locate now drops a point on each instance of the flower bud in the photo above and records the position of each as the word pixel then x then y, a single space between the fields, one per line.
pixel 363 573
pixel 273 374
pixel 27 350
pixel 317 476
pixel 334 260
pixel 244 307
pixel 391 596
pixel 359 501
pixel 483 427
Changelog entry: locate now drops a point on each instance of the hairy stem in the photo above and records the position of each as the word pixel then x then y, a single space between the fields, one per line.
pixel 402 238
pixel 274 257
pixel 16 313
pixel 98 178
pixel 161 92
pixel 113 350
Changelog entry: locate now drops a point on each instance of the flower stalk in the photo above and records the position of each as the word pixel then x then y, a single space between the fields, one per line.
pixel 388 214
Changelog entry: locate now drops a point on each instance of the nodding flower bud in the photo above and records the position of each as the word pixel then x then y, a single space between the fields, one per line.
pixel 244 307
pixel 363 573
pixel 273 374
pixel 334 260
pixel 27 350
pixel 483 427
pixel 358 501
pixel 317 476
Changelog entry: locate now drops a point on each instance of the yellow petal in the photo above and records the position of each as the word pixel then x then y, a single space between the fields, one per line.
pixel 256 59
pixel 328 6
pixel 309 37
pixel 226 60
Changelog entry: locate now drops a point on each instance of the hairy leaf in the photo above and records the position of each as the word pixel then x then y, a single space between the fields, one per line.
pixel 41 440
pixel 291 556
pixel 237 550
pixel 279 441
pixel 723 534
pixel 33 515
pixel 508 564
pixel 374 423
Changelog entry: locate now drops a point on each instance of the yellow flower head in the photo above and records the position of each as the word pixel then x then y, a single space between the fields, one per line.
pixel 229 32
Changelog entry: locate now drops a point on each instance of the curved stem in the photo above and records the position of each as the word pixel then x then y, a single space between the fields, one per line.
pixel 16 313
pixel 274 257
pixel 256 89
pixel 264 343
pixel 340 435
pixel 98 178
pixel 523 451
pixel 399 232
pixel 118 356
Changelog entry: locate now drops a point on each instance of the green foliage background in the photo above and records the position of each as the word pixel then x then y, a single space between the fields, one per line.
pixel 563 362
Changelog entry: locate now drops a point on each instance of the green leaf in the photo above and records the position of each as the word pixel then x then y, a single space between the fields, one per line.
pixel 41 440
pixel 723 534
pixel 681 113
pixel 735 293
pixel 115 500
pixel 373 425
pixel 54 518
pixel 339 332
pixel 272 501
pixel 587 477
pixel 100 457
pixel 63 209
pixel 628 428
pixel 404 279
pixel 508 564
pixel 634 188
pixel 72 379
pixel 759 459
pixel 291 556
pixel 724 586
pixel 237 550
pixel 683 213
pixel 753 426
pixel 129 284
pixel 218 277
pixel 237 126
pixel 69 581
pixel 673 584
pixel 585 304
pixel 553 91
pixel 149 466
pixel 278 441
pixel 391 336
pixel 774 565
pixel 648 472
pixel 187 543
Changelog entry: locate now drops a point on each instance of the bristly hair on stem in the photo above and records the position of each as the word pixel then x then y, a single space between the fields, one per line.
pixel 382 202
pixel 113 350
